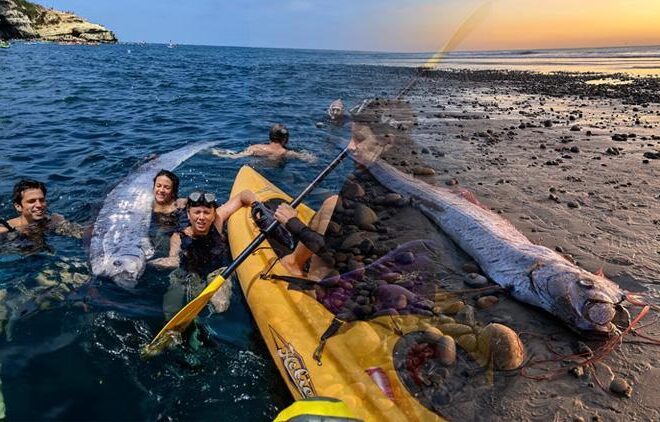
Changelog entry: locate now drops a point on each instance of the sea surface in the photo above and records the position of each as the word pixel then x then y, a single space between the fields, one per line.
pixel 635 61
pixel 81 118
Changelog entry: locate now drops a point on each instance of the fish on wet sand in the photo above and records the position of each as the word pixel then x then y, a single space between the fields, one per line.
pixel 532 273
pixel 120 244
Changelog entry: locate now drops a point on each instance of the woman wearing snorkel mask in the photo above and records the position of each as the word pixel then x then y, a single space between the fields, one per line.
pixel 200 248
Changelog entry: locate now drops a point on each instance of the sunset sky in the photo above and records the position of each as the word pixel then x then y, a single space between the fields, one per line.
pixel 383 25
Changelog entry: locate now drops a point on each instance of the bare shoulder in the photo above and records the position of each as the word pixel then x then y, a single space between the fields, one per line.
pixel 181 202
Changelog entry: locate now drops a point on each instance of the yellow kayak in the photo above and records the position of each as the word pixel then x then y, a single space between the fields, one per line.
pixel 357 365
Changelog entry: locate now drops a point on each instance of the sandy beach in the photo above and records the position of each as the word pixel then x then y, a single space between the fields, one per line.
pixel 575 167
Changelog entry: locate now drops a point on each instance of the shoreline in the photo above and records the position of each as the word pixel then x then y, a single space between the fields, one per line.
pixel 574 168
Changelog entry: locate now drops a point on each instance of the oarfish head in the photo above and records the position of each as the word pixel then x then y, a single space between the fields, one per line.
pixel 125 270
pixel 586 301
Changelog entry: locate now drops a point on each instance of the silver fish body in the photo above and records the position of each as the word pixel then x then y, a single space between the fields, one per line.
pixel 120 242
pixel 532 273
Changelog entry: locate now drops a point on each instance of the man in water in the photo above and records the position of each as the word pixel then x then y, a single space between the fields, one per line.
pixel 278 138
pixel 336 111
pixel 29 198
pixel 200 249
pixel 276 148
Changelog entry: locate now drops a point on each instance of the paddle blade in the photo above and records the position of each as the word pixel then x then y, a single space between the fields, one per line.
pixel 187 314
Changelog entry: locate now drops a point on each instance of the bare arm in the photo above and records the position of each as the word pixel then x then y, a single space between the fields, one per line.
pixel 63 227
pixel 173 260
pixel 243 199
pixel 301 155
pixel 225 153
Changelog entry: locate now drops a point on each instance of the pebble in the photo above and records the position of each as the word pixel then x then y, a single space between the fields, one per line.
pixel 433 334
pixel 444 319
pixel 405 258
pixel 486 302
pixel 577 371
pixel 466 316
pixel 621 387
pixel 352 241
pixel 476 280
pixel 575 149
pixel 454 329
pixel 501 344
pixel 573 204
pixel 364 215
pixel 423 171
pixel 451 182
pixel 446 350
pixel 352 190
pixel 391 199
pixel 391 277
pixel 554 197
pixel 468 342
pixel 453 308
pixel 471 267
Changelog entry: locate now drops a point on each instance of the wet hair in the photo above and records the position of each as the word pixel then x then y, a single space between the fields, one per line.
pixel 24 185
pixel 175 181
pixel 279 134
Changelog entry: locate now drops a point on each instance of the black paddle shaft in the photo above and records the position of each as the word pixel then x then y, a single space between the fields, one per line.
pixel 262 236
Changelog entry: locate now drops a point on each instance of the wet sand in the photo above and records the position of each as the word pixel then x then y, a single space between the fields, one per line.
pixel 575 167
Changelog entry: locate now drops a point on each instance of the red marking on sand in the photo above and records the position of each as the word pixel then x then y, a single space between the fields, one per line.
pixel 600 273
pixel 471 197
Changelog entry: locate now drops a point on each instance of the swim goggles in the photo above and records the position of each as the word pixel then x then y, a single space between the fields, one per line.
pixel 198 198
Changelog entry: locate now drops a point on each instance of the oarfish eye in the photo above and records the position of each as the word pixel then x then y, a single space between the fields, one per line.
pixel 585 282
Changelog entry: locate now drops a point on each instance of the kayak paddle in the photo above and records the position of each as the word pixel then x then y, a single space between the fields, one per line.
pixel 187 314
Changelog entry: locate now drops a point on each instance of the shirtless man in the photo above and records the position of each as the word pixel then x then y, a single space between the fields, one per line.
pixel 276 148
pixel 278 137
pixel 29 199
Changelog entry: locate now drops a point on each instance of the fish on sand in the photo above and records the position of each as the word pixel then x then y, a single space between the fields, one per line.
pixel 532 273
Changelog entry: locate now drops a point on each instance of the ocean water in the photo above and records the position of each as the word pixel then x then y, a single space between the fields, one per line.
pixel 81 118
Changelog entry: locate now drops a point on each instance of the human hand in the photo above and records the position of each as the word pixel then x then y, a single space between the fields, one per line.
pixel 284 213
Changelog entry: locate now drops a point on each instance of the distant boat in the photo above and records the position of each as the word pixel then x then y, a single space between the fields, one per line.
pixel 4 44
pixel 170 45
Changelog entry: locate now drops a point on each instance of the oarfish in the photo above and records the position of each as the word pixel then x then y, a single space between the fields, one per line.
pixel 531 273
pixel 120 242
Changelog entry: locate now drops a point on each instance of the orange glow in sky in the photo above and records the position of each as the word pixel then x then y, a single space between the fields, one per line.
pixel 521 24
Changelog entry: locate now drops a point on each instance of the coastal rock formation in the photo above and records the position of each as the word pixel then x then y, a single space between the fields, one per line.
pixel 20 19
